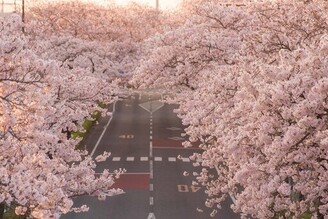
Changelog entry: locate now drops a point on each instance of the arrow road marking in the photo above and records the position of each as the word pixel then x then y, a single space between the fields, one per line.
pixel 151 216
pixel 151 106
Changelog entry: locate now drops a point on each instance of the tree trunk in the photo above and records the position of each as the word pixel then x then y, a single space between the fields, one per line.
pixel 2 210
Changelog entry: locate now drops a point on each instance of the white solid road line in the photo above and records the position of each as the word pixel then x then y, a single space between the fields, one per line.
pixel 151 167
pixel 150 149
pixel 105 128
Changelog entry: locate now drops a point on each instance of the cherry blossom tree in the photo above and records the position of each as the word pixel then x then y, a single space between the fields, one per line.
pixel 107 59
pixel 40 168
pixel 250 83
pixel 106 38
pixel 51 79
pixel 93 22
pixel 250 80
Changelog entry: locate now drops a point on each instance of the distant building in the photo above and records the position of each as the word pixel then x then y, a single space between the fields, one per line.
pixel 10 6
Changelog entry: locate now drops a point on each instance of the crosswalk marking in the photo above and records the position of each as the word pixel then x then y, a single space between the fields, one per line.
pixel 130 159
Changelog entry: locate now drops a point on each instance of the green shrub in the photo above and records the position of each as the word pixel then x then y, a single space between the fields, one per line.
pixel 10 214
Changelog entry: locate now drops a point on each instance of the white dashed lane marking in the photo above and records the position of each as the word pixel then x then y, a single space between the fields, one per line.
pixel 116 158
pixel 185 159
pixel 156 159
pixel 172 159
pixel 130 159
pixel 143 158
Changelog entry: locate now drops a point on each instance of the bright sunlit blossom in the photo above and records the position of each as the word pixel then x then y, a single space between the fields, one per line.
pixel 163 4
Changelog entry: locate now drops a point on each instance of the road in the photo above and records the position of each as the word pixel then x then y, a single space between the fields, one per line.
pixel 144 137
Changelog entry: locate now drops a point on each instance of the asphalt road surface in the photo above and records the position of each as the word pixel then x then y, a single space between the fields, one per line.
pixel 144 137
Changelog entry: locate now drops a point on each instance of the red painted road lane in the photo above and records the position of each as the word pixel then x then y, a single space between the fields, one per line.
pixel 132 181
pixel 168 143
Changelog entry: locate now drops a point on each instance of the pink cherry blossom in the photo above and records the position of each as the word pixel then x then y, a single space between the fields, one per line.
pixel 250 82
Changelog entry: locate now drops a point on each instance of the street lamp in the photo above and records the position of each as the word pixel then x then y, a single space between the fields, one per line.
pixel 157 4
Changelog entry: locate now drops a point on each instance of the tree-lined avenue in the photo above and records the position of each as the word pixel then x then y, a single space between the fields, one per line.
pixel 144 137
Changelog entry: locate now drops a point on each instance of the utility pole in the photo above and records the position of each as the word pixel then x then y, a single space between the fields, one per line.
pixel 157 4
pixel 23 15
pixel 2 6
